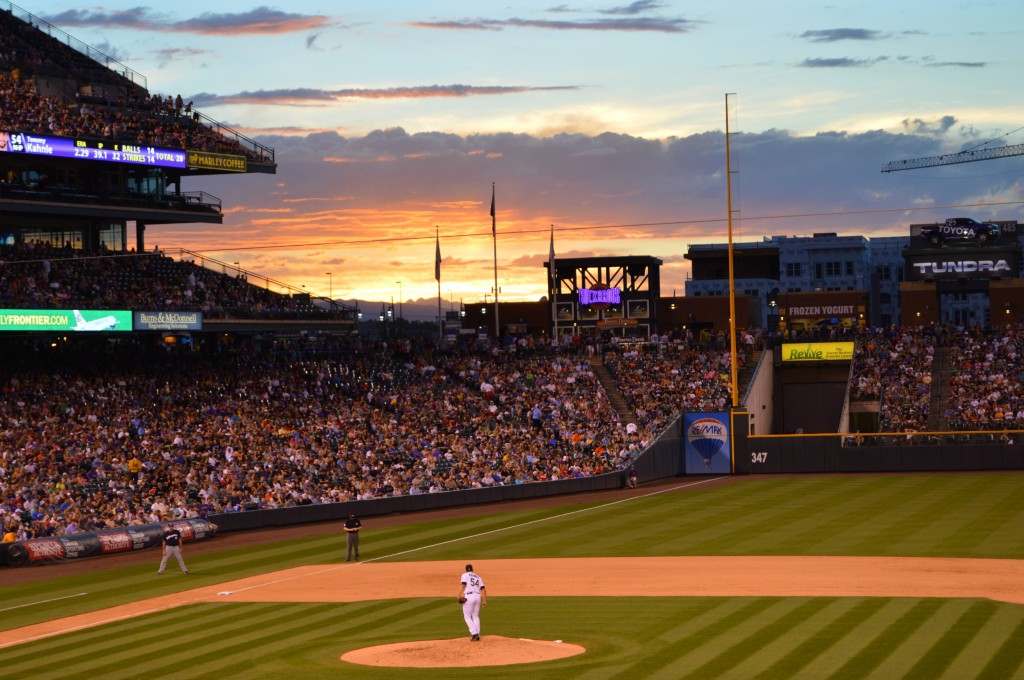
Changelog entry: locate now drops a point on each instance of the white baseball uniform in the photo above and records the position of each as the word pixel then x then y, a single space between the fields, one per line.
pixel 471 607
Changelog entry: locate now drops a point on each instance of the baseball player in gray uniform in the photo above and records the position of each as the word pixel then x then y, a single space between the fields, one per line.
pixel 472 596
pixel 172 546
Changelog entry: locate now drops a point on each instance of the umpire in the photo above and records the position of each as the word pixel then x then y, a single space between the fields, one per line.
pixel 352 527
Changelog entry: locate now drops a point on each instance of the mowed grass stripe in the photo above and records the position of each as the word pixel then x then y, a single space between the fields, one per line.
pixel 848 644
pixel 319 642
pixel 860 512
pixel 713 636
pixel 670 638
pixel 765 520
pixel 753 523
pixel 986 643
pixel 84 651
pixel 626 637
pixel 887 641
pixel 936 661
pixel 160 656
pixel 818 635
pixel 1008 661
pixel 902 660
pixel 921 526
pixel 758 636
pixel 95 640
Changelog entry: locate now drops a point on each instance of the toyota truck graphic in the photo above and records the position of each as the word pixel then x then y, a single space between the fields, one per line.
pixel 960 230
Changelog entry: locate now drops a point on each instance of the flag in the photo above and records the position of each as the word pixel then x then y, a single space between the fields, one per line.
pixel 551 253
pixel 494 225
pixel 437 259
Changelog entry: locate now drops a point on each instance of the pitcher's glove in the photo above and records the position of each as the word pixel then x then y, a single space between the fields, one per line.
pixel 462 600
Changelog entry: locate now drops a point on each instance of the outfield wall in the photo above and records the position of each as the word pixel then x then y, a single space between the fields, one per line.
pixel 791 454
pixel 664 458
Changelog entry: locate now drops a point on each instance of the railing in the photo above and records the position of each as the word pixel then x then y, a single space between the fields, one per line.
pixel 190 200
pixel 201 199
pixel 256 151
pixel 233 269
pixel 74 43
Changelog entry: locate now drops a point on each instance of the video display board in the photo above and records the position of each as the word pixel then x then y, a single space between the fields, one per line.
pixel 71 320
pixel 91 149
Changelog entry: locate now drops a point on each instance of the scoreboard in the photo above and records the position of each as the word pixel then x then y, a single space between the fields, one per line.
pixel 91 149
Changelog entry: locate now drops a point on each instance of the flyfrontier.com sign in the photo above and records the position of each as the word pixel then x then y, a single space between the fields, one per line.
pixel 816 351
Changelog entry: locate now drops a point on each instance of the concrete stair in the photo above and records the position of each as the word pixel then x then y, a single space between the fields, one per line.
pixel 618 401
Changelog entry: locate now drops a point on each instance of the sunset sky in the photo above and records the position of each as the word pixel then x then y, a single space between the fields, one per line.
pixel 392 119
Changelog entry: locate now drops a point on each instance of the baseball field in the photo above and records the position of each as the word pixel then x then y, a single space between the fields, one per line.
pixel 872 576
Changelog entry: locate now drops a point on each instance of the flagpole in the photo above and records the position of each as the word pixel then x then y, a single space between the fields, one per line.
pixel 554 285
pixel 437 275
pixel 494 234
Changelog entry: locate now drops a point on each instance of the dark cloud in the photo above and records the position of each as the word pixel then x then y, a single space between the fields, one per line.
pixel 111 51
pixel 261 20
pixel 840 62
pixel 837 34
pixel 312 96
pixel 392 184
pixel 576 179
pixel 638 7
pixel 177 53
pixel 633 24
pixel 957 64
pixel 918 126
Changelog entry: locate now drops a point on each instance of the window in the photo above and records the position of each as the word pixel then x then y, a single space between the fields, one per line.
pixel 885 298
pixel 792 269
pixel 833 269
pixel 849 267
pixel 885 273
pixel 817 270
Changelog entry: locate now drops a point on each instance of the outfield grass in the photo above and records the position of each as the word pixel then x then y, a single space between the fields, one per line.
pixel 953 515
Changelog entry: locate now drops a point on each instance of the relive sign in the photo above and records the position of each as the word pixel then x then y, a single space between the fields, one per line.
pixel 817 351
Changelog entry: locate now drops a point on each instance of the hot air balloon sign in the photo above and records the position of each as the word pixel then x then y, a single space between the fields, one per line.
pixel 707 443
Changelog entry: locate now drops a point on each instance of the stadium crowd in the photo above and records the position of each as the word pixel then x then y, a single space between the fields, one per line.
pixel 119 111
pixel 658 385
pixel 894 366
pixel 113 443
pixel 41 276
pixel 986 388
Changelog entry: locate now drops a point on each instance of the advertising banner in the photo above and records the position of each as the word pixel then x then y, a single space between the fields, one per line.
pixel 106 542
pixel 706 443
pixel 794 352
pixel 216 161
pixel 168 321
pixel 71 320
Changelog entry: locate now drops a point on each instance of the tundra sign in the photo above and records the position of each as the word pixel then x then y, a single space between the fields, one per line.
pixel 962 263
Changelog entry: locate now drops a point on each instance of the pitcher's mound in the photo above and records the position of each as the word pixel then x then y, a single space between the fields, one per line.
pixel 491 650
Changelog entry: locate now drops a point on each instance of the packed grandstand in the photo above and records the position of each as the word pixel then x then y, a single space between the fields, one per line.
pixel 99 434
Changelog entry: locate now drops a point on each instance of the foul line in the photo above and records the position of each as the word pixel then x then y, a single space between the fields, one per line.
pixel 486 533
pixel 114 619
pixel 545 519
pixel 32 604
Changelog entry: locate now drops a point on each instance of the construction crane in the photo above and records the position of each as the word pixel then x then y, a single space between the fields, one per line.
pixel 953 158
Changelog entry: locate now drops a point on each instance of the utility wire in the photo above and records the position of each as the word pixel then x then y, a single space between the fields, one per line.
pixel 562 230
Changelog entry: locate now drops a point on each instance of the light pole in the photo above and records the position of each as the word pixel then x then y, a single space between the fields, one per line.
pixel 330 288
pixel 400 316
